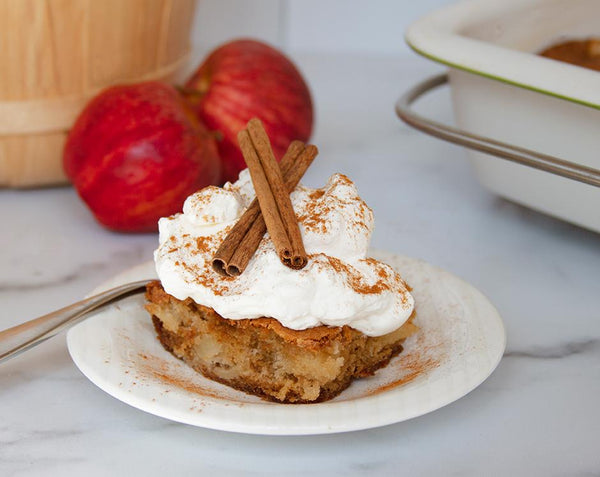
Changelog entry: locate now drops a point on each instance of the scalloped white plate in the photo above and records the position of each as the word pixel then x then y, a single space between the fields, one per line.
pixel 460 342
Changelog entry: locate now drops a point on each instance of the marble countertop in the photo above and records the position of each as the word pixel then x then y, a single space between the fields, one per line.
pixel 536 415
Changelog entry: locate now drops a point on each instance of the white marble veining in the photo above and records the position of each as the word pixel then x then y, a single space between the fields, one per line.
pixel 536 415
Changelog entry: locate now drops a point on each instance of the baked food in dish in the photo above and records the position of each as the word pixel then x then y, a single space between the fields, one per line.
pixel 292 336
pixel 262 357
pixel 584 53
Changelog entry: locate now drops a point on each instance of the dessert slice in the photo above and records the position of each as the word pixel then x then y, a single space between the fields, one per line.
pixel 262 357
pixel 292 315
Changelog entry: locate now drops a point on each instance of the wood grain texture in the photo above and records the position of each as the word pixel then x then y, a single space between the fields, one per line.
pixel 57 54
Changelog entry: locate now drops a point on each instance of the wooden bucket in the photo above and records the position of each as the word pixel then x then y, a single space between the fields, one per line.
pixel 57 54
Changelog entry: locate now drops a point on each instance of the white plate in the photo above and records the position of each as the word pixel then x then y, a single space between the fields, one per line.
pixel 460 342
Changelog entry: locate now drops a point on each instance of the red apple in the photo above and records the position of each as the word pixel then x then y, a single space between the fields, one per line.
pixel 136 152
pixel 244 79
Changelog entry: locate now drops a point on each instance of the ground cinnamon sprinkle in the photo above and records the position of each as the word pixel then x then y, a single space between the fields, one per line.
pixel 344 179
pixel 184 384
pixel 204 244
pixel 315 216
pixel 410 365
pixel 355 279
pixel 160 369
pixel 394 384
pixel 208 278
pixel 313 219
pixel 200 245
pixel 316 194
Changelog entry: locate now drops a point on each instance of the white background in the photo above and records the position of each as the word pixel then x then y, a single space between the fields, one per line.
pixel 373 27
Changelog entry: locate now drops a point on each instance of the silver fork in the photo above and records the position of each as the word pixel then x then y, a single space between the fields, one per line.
pixel 20 338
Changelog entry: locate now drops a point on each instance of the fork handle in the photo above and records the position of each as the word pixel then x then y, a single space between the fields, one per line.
pixel 20 338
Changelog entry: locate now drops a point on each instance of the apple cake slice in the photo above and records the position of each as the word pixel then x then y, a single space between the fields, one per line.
pixel 262 357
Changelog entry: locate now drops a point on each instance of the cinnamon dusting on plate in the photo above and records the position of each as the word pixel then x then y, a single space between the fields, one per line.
pixel 161 370
pixel 410 365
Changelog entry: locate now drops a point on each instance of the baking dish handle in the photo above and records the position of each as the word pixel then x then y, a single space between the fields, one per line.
pixel 520 155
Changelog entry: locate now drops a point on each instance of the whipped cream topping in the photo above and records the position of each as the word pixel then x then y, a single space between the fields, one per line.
pixel 339 286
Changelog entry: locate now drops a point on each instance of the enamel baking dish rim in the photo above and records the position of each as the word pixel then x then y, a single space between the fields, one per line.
pixel 437 36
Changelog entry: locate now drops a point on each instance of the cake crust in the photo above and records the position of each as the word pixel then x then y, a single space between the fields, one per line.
pixel 261 357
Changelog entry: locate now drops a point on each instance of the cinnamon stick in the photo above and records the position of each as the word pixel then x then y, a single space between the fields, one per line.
pixel 293 172
pixel 268 197
pixel 241 243
pixel 274 199
pixel 245 236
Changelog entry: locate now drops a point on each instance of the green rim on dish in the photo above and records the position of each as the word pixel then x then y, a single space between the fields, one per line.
pixel 500 78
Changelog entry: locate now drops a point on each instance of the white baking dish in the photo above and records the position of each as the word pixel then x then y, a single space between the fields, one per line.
pixel 501 89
